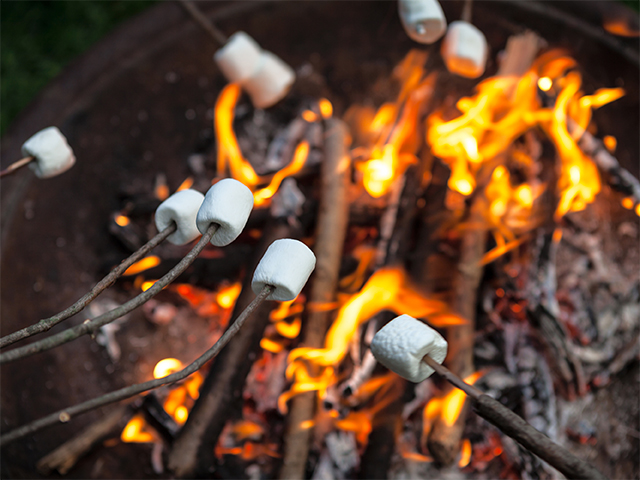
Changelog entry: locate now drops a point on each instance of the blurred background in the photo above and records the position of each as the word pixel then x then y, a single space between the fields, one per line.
pixel 39 38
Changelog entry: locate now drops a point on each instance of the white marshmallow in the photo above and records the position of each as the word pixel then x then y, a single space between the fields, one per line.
pixel 465 50
pixel 270 83
pixel 182 208
pixel 423 20
pixel 52 153
pixel 286 265
pixel 239 58
pixel 402 344
pixel 228 203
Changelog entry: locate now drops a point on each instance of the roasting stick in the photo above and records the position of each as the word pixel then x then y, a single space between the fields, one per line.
pixel 91 326
pixel 66 414
pixel 515 427
pixel 213 31
pixel 16 166
pixel 47 323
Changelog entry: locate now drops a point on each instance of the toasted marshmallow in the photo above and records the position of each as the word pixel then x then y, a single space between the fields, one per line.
pixel 286 265
pixel 239 58
pixel 182 208
pixel 423 20
pixel 228 204
pixel 402 344
pixel 52 153
pixel 465 50
pixel 271 82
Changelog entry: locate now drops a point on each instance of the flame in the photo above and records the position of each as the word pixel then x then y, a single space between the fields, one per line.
pixel 181 396
pixel 627 203
pixel 249 451
pixel 227 296
pixel 305 383
pixel 393 129
pixel 289 330
pixel 309 116
pixel 271 346
pixel 136 431
pixel 147 285
pixel 122 220
pixel 245 429
pixel 326 109
pixel 286 309
pixel 620 27
pixel 465 454
pixel 365 254
pixel 261 196
pixel 230 155
pixel 545 84
pixel 387 289
pixel 141 265
pixel 610 142
pixel 186 184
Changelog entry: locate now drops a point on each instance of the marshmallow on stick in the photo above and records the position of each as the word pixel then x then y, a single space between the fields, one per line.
pixel 228 203
pixel 465 50
pixel 181 208
pixel 402 344
pixel 51 152
pixel 264 76
pixel 286 265
pixel 423 20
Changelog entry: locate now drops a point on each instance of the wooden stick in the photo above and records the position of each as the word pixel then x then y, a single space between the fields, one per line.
pixel 47 323
pixel 91 326
pixel 67 455
pixel 333 218
pixel 515 427
pixel 200 18
pixel 16 165
pixel 65 415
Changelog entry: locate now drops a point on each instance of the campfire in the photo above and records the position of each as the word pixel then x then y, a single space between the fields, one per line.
pixel 493 209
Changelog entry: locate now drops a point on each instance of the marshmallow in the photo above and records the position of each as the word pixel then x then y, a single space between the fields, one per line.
pixel 402 343
pixel 52 153
pixel 182 208
pixel 465 50
pixel 286 265
pixel 228 203
pixel 239 58
pixel 423 20
pixel 270 83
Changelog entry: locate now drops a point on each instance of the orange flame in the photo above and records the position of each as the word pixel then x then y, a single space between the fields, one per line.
pixel 245 429
pixel 289 330
pixel 136 431
pixel 230 155
pixel 465 454
pixel 186 184
pixel 141 265
pixel 387 289
pixel 178 399
pixel 227 296
pixel 271 346
pixel 147 285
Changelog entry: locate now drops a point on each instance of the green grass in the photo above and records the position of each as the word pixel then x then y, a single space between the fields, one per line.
pixel 39 38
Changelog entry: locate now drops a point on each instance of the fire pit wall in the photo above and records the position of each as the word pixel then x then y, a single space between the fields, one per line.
pixel 139 104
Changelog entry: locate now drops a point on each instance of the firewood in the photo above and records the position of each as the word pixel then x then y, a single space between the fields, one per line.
pixel 66 455
pixel 332 223
pixel 444 440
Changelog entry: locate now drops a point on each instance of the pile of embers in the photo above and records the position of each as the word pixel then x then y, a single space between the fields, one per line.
pixel 499 218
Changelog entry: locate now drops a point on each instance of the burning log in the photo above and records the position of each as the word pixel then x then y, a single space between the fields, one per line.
pixel 191 451
pixel 333 218
pixel 444 439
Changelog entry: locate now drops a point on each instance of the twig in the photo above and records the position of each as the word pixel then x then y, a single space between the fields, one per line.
pixel 66 455
pixel 47 323
pixel 515 427
pixel 16 165
pixel 90 326
pixel 467 10
pixel 216 34
pixel 66 414
pixel 333 218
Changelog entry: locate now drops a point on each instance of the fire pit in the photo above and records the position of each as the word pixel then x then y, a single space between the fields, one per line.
pixel 539 344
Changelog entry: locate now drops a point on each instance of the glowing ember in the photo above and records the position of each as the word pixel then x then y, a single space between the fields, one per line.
pixel 627 203
pixel 326 109
pixel 610 142
pixel 142 265
pixel 122 220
